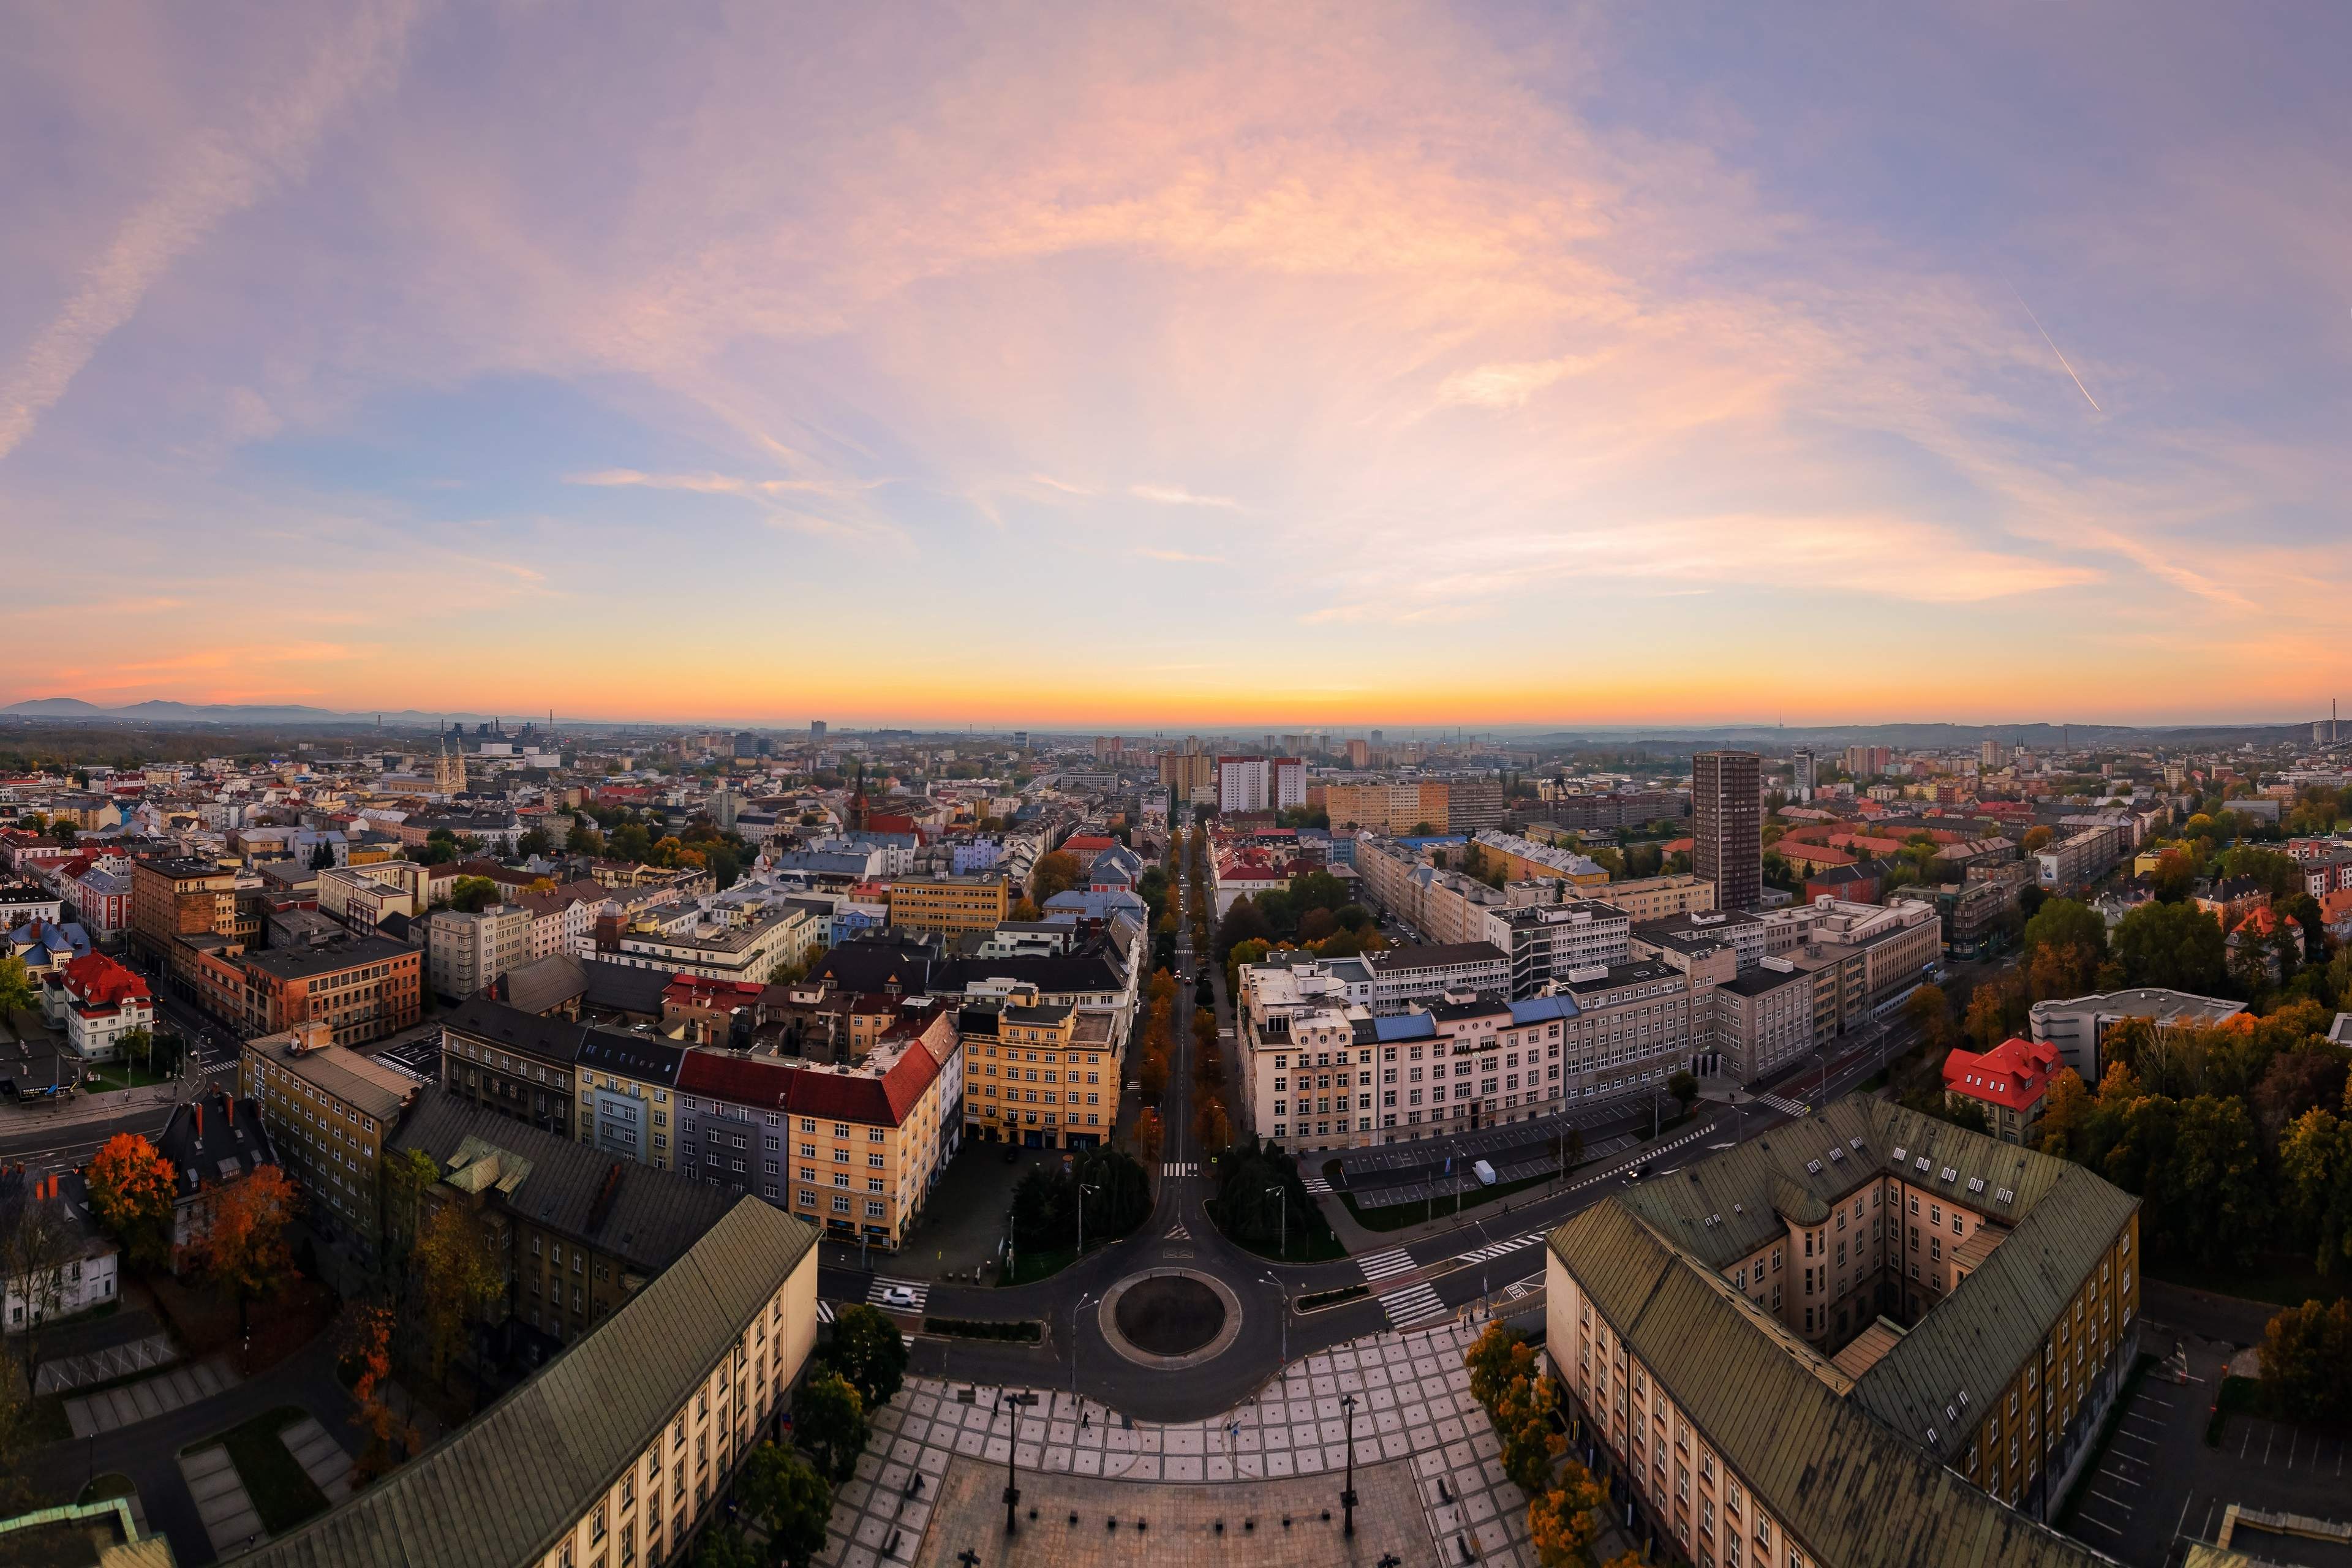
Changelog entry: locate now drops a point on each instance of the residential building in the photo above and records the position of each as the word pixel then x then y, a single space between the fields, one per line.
pixel 1637 1023
pixel 214 1142
pixel 1032 1076
pixel 729 944
pixel 1440 906
pixel 2082 856
pixel 363 897
pixel 950 904
pixel 1608 812
pixel 1971 914
pixel 515 1063
pixel 1657 897
pixel 577 1231
pixel 328 1111
pixel 362 988
pixel 2077 1027
pixel 466 953
pixel 634 1434
pixel 1260 783
pixel 2008 1084
pixel 86 1274
pixel 1727 826
pixel 625 1083
pixel 1524 859
pixel 103 1002
pixel 855 1153
pixel 1815 1275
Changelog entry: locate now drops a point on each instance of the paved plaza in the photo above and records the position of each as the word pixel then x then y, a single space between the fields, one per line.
pixel 936 1462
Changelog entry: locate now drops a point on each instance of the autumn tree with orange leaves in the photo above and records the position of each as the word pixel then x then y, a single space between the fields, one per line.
pixel 244 1245
pixel 130 1194
pixel 367 1352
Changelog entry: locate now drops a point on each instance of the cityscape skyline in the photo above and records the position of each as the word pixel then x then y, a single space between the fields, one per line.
pixel 1306 370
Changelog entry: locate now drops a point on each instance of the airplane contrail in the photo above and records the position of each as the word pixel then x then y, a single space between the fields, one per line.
pixel 2055 350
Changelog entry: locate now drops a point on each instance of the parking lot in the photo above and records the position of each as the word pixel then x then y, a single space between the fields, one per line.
pixel 2157 1487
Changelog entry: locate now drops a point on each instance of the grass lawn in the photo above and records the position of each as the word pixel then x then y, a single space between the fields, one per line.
pixel 283 1494
pixel 2282 1280
pixel 121 1075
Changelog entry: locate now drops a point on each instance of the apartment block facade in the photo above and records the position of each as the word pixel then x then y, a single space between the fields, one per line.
pixel 952 905
pixel 329 1112
pixel 1727 826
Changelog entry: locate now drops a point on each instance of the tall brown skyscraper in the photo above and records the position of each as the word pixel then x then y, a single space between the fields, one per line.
pixel 1727 828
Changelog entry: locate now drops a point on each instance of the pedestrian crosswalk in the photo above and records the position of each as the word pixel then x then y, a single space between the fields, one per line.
pixel 1414 1304
pixel 1317 1186
pixel 824 1312
pixel 1180 1231
pixel 1179 1168
pixel 898 1294
pixel 1380 1265
pixel 1784 1106
pixel 1500 1248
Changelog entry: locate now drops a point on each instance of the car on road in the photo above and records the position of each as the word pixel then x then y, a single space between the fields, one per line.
pixel 898 1296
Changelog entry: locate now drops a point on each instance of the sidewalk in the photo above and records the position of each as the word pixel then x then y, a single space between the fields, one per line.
pixel 1358 1240
pixel 105 1105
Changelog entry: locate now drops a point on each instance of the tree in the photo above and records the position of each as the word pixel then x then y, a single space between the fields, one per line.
pixel 1056 871
pixel 868 1350
pixel 1928 1011
pixel 2177 946
pixel 1986 1025
pixel 1684 1089
pixel 830 1420
pixel 389 1437
pixel 322 856
pixel 16 993
pixel 472 895
pixel 1562 1520
pixel 724 1545
pixel 535 842
pixel 1242 923
pixel 2073 936
pixel 457 1275
pixel 1148 1136
pixel 131 1193
pixel 36 1242
pixel 2066 1116
pixel 784 1492
pixel 244 1245
pixel 2035 840
pixel 2314 1161
pixel 2307 1360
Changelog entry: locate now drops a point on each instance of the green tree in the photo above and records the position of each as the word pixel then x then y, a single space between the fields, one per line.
pixel 536 841
pixel 2307 1360
pixel 2074 938
pixel 2177 946
pixel 830 1421
pixel 16 993
pixel 724 1545
pixel 459 1274
pixel 868 1350
pixel 1684 1089
pixel 322 856
pixel 472 895
pixel 2315 1164
pixel 784 1492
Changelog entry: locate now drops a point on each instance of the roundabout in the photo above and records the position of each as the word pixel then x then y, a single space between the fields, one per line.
pixel 1170 1318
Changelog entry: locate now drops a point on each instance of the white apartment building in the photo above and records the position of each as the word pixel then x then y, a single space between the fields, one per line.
pixel 1260 783
pixel 1548 941
pixel 738 946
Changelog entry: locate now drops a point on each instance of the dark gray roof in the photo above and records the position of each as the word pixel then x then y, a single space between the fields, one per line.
pixel 299 963
pixel 623 987
pixel 655 1061
pixel 501 1490
pixel 1050 973
pixel 544 983
pixel 232 1143
pixel 497 1024
pixel 1434 955
pixel 645 1216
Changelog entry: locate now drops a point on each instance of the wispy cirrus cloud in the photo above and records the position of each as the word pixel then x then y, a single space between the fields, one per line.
pixel 1177 495
pixel 1180 556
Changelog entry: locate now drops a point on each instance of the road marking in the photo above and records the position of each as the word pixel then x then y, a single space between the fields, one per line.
pixel 2111 1530
pixel 2104 1497
pixel 1784 1106
pixel 1500 1248
pixel 824 1312
pixel 1179 1232
pixel 1317 1186
pixel 1380 1265
pixel 2113 1476
pixel 1414 1304
pixel 2124 1436
pixel 1179 1168
pixel 874 1294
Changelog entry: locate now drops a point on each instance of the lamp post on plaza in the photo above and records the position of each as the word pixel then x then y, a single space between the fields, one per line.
pixel 1347 1497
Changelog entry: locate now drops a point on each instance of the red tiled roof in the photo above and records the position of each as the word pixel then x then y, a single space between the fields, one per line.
pixel 95 980
pixel 2013 1073
pixel 811 1091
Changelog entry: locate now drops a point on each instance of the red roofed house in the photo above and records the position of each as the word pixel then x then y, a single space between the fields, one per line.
pixel 853 1150
pixel 103 1002
pixel 2008 1083
pixel 1086 845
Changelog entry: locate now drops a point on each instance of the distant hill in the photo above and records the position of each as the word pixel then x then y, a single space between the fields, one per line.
pixel 157 712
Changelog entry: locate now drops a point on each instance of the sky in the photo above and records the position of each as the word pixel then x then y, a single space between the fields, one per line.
pixel 1166 366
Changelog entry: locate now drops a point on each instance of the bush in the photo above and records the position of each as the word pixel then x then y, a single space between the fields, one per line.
pixel 1045 1203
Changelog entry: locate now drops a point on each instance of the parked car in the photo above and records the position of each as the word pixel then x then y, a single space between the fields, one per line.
pixel 1483 1171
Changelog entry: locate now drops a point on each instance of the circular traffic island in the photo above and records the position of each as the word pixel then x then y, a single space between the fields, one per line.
pixel 1171 1318
pixel 1169 1314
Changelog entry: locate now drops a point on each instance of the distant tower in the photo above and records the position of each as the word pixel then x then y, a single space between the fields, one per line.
pixel 857 802
pixel 449 772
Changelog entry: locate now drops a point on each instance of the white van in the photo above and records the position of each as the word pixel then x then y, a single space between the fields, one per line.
pixel 1484 1172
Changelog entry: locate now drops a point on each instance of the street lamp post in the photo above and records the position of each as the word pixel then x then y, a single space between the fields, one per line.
pixel 1282 1201
pixel 1347 1497
pixel 1082 1190
pixel 1824 1057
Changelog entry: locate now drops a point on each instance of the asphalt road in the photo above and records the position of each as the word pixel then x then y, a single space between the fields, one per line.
pixel 1425 1280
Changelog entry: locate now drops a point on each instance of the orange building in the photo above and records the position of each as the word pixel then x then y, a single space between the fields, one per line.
pixel 362 990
